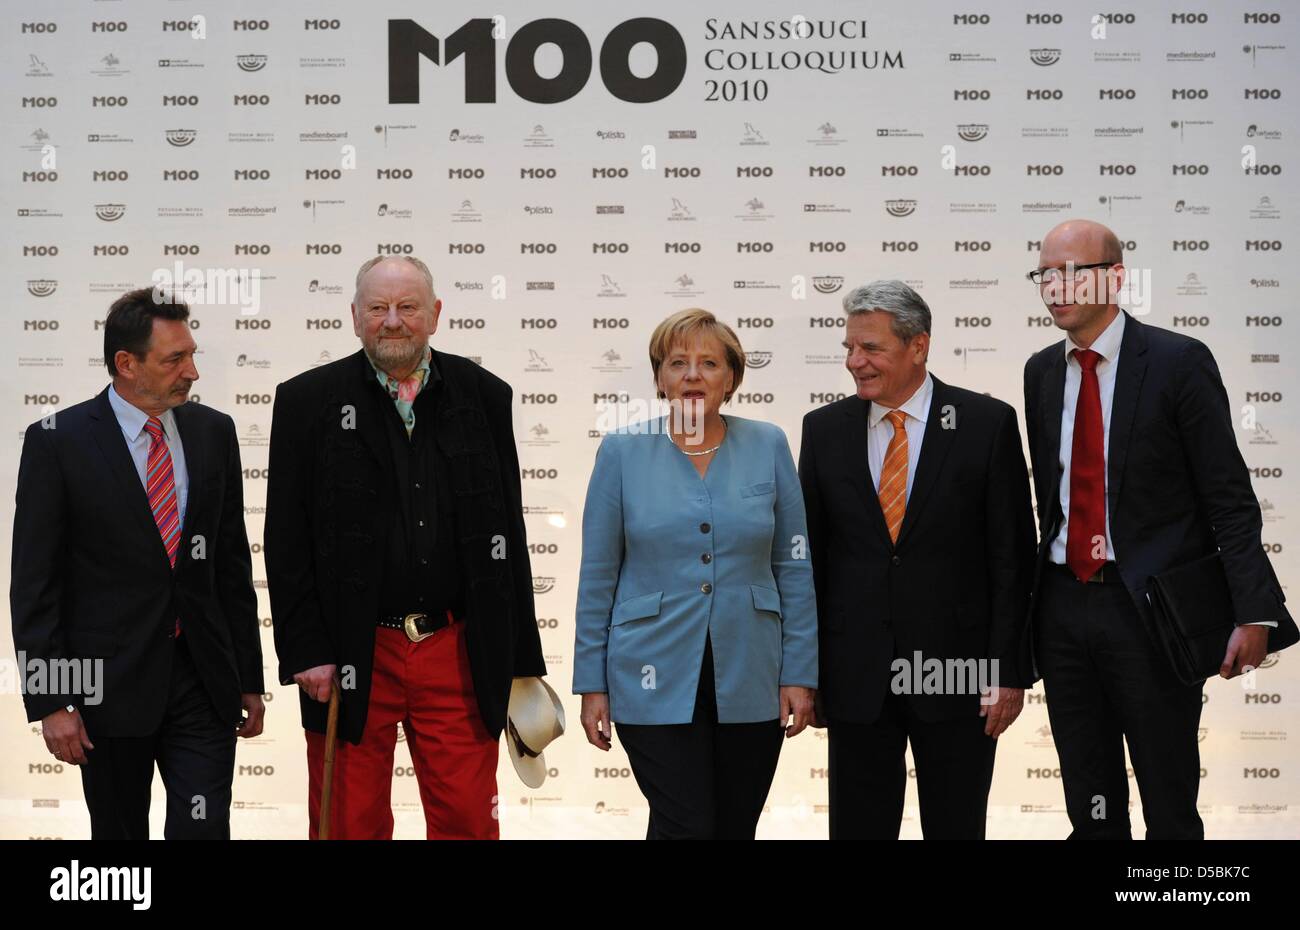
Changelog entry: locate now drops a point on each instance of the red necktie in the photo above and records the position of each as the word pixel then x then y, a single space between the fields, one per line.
pixel 1086 534
pixel 160 486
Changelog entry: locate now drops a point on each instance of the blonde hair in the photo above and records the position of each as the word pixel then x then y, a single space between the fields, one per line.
pixel 685 324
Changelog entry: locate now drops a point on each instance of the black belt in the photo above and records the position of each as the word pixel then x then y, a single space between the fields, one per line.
pixel 1108 573
pixel 417 626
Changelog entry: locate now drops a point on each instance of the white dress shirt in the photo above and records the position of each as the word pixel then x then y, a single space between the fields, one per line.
pixel 1107 346
pixel 132 420
pixel 880 431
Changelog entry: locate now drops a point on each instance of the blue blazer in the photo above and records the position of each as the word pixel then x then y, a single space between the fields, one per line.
pixel 669 557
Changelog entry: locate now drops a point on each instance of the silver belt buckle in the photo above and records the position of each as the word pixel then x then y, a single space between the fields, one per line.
pixel 412 632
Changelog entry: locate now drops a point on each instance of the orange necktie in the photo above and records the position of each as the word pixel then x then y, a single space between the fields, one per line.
pixel 893 475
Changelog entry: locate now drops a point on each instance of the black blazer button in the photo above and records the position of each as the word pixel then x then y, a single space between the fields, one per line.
pixel 896 561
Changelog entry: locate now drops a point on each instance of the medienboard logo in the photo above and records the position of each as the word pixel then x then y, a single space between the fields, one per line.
pixel 1044 56
pixel 110 212
pixel 180 137
pixel 250 62
pixel 900 208
pixel 758 359
pixel 542 585
pixel 42 287
pixel 827 283
pixel 972 132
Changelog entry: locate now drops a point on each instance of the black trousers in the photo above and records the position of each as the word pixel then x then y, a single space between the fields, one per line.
pixel 195 754
pixel 868 774
pixel 704 780
pixel 1106 683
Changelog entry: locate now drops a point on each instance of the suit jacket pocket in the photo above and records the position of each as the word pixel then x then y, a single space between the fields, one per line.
pixel 754 490
pixel 636 608
pixel 766 599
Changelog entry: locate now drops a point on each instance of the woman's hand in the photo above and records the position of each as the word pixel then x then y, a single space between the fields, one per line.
pixel 796 702
pixel 595 719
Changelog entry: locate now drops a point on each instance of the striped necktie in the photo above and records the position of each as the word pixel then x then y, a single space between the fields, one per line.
pixel 160 486
pixel 893 475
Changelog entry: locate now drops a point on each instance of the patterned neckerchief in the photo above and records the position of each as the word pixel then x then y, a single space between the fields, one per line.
pixel 404 392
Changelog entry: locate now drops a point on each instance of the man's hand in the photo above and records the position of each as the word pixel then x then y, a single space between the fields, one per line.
pixel 798 703
pixel 65 736
pixel 819 712
pixel 251 725
pixel 595 719
pixel 316 682
pixel 1247 647
pixel 1003 711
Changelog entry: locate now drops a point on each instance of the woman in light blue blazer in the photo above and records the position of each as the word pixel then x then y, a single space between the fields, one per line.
pixel 696 618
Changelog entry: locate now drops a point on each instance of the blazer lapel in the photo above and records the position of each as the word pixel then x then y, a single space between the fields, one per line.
pixel 1052 403
pixel 112 444
pixel 934 449
pixel 369 422
pixel 856 460
pixel 192 443
pixel 1123 408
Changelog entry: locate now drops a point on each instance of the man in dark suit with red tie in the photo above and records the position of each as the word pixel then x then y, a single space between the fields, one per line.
pixel 1137 471
pixel 131 565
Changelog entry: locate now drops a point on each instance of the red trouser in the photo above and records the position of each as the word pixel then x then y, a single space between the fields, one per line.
pixel 427 687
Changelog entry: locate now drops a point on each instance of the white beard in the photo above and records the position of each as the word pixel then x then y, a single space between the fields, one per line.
pixel 392 355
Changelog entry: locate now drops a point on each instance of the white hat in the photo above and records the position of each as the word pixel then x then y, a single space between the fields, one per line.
pixel 534 719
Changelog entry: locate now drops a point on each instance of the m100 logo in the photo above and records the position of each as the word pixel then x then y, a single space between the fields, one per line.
pixel 408 42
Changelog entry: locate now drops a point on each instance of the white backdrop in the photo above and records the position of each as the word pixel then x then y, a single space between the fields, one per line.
pixel 255 143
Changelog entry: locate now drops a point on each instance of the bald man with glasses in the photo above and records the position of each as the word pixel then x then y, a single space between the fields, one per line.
pixel 1137 471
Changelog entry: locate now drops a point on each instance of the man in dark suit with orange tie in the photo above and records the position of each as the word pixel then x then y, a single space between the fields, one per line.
pixel 1137 472
pixel 922 541
pixel 131 565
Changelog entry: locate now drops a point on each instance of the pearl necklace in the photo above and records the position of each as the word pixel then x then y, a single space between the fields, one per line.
pixel 703 451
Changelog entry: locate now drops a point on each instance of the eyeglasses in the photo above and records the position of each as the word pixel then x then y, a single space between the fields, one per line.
pixel 1041 276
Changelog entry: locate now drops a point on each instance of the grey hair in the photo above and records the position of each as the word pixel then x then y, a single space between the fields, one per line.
pixel 370 263
pixel 910 311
